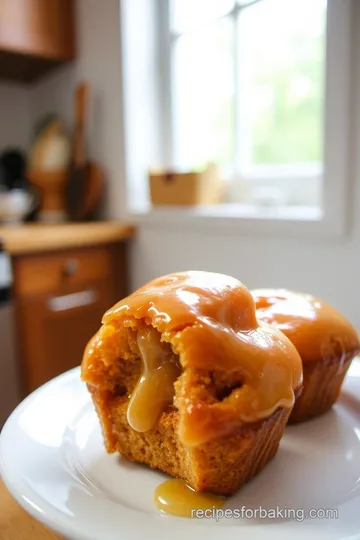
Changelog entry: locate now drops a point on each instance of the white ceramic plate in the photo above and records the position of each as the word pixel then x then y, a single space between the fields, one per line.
pixel 53 462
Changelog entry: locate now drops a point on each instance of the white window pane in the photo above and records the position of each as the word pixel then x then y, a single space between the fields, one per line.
pixel 204 95
pixel 188 14
pixel 281 81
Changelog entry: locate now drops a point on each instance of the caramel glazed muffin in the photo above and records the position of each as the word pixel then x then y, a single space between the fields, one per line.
pixel 184 379
pixel 325 340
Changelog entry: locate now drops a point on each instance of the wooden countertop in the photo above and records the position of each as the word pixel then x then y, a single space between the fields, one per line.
pixel 16 524
pixel 39 237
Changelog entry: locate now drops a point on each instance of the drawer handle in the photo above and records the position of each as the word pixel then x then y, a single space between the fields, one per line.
pixel 72 301
pixel 70 268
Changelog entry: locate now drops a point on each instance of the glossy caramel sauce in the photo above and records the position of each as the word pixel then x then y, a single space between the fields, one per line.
pixel 155 389
pixel 317 330
pixel 176 498
pixel 210 322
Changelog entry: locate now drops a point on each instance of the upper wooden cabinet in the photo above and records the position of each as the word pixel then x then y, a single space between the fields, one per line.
pixel 35 36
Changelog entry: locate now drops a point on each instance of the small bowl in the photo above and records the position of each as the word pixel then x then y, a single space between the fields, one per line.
pixel 15 205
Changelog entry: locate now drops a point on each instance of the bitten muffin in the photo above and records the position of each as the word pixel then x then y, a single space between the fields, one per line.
pixel 325 340
pixel 185 380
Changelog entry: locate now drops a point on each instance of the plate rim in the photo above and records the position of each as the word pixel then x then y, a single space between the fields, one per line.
pixel 30 507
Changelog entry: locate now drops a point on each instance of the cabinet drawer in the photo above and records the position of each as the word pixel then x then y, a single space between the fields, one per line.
pixel 56 328
pixel 47 273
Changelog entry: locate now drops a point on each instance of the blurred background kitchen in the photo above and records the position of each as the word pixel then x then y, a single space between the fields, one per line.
pixel 140 137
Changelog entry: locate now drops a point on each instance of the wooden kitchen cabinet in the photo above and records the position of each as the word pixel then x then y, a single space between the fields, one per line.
pixel 35 35
pixel 60 298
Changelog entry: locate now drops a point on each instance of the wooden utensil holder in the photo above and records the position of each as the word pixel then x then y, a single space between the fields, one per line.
pixel 52 187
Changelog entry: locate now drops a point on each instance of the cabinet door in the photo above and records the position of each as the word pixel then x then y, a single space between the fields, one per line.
pixel 56 328
pixel 43 28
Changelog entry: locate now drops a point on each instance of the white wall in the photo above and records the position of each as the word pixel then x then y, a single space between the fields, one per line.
pixel 328 268
pixel 98 62
pixel 14 116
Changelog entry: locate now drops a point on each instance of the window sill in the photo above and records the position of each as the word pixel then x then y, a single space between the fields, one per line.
pixel 239 219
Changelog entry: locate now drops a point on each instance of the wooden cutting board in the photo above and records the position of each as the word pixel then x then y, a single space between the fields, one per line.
pixel 16 524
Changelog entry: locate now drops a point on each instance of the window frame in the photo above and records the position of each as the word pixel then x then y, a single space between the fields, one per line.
pixel 333 218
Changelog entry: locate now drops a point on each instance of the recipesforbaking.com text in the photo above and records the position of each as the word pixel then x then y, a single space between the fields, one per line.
pixel 277 513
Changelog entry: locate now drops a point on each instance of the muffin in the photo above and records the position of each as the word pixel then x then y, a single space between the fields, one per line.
pixel 325 340
pixel 185 380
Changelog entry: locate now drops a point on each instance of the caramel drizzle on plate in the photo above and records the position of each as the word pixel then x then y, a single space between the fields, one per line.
pixel 176 498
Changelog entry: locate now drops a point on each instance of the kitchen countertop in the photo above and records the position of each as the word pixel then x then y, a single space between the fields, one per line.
pixel 16 524
pixel 40 237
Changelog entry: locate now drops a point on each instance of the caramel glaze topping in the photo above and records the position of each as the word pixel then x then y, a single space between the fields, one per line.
pixel 316 329
pixel 208 322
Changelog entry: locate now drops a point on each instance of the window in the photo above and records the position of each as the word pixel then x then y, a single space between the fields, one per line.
pixel 279 126
pixel 246 85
